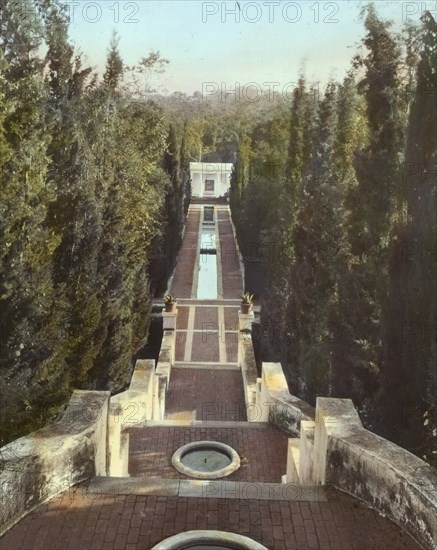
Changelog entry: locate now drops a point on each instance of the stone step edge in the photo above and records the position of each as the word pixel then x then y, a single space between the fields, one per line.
pixel 201 424
pixel 205 366
pixel 190 488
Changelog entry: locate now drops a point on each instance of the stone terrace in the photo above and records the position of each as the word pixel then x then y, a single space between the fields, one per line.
pixel 212 394
pixel 206 388
pixel 76 521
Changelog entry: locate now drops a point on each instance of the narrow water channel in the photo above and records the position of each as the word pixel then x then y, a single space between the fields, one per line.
pixel 207 281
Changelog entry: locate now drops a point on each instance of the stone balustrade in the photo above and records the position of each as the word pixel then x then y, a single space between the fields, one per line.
pixel 334 448
pixel 329 445
pixel 89 440
pixel 49 461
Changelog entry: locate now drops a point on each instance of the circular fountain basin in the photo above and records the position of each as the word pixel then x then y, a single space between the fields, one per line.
pixel 208 540
pixel 206 460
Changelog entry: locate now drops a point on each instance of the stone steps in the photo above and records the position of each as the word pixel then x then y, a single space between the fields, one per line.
pixel 194 488
pixel 202 424
pixel 300 456
pixel 293 460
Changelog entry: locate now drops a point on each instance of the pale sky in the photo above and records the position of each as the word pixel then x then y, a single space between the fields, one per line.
pixel 206 43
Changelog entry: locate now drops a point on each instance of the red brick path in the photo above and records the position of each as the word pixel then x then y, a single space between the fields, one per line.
pixel 205 347
pixel 263 451
pixel 182 317
pixel 77 521
pixel 80 521
pixel 181 338
pixel 183 277
pixel 231 269
pixel 198 394
pixel 231 318
pixel 206 318
pixel 231 341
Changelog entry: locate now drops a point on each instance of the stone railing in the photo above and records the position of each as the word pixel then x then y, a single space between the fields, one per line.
pixel 247 364
pixel 126 409
pixel 390 479
pixel 49 461
pixel 165 363
pixel 334 448
pixel 267 398
pixel 89 440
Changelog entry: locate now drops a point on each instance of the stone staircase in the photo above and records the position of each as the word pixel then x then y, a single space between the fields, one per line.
pixel 300 458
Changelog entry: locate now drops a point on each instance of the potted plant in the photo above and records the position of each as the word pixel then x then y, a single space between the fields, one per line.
pixel 170 303
pixel 246 302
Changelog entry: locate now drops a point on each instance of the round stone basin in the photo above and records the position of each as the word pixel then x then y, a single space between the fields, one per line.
pixel 208 540
pixel 206 460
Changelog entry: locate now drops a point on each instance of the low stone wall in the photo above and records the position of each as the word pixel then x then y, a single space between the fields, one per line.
pixel 135 405
pixel 88 441
pixel 388 478
pixel 398 484
pixel 247 364
pixel 166 355
pixel 160 391
pixel 165 363
pixel 275 402
pixel 287 411
pixel 45 463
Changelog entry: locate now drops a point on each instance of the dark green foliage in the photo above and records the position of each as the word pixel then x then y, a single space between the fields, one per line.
pixel 83 197
pixel 411 319
pixel 350 212
pixel 114 66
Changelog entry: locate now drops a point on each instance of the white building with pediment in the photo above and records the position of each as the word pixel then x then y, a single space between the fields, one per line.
pixel 210 179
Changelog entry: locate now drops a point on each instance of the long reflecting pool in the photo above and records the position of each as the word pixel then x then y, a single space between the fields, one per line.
pixel 207 281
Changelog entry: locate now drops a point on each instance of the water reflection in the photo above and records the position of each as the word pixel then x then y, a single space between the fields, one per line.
pixel 207 281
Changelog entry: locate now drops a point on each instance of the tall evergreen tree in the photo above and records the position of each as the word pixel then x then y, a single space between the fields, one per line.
pixel 409 405
pixel 114 65
pixel 26 243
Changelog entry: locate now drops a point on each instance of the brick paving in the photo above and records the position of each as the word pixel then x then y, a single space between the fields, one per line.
pixel 205 347
pixel 181 338
pixel 263 451
pixel 213 394
pixel 206 318
pixel 231 318
pixel 231 340
pixel 182 317
pixel 231 302
pixel 231 269
pixel 79 521
pixel 208 335
pixel 183 278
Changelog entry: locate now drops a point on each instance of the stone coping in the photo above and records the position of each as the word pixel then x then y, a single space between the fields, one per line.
pixel 229 302
pixel 206 366
pixel 202 424
pixel 179 464
pixel 37 467
pixel 387 477
pixel 215 538
pixel 235 490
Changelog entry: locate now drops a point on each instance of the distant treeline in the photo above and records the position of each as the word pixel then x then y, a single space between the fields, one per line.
pixel 337 193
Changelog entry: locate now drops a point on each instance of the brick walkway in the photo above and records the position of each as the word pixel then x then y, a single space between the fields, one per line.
pixel 231 269
pixel 207 334
pixel 263 451
pixel 205 385
pixel 183 278
pixel 196 394
pixel 80 521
